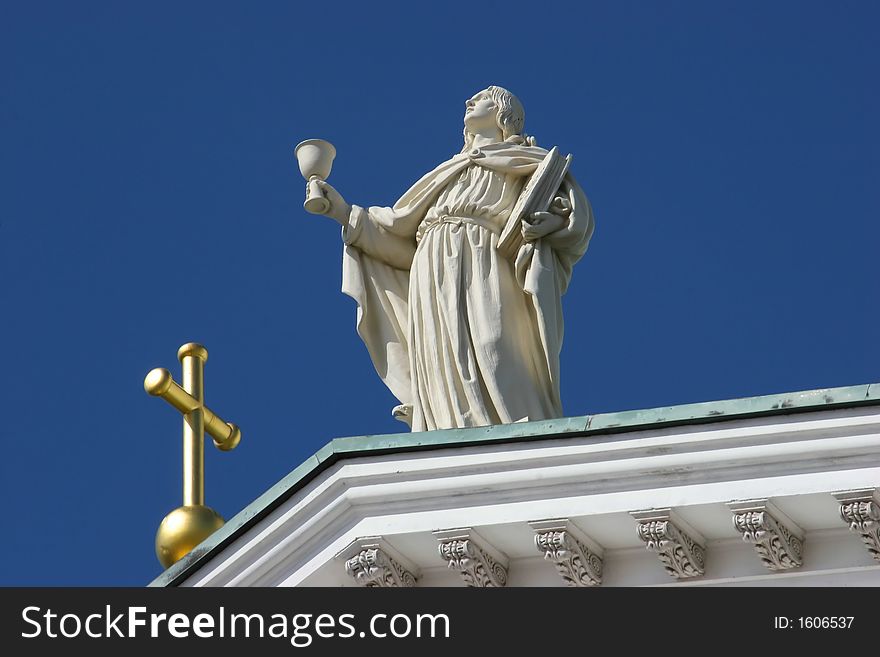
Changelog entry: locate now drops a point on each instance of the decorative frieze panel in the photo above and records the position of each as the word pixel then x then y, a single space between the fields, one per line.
pixel 374 563
pixel 479 564
pixel 679 547
pixel 860 509
pixel 577 558
pixel 778 541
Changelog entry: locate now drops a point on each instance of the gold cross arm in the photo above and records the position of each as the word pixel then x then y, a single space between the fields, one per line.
pixel 187 526
pixel 160 383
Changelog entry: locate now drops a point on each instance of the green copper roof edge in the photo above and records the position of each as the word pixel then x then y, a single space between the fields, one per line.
pixel 601 423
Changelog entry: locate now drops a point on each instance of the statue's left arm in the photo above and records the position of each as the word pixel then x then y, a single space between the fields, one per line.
pixel 575 234
pixel 570 242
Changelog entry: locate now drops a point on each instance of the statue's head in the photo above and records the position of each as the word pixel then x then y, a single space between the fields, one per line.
pixel 509 115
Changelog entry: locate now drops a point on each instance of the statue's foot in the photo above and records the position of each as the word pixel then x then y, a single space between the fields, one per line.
pixel 403 412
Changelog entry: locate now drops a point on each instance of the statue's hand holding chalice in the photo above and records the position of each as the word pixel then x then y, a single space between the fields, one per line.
pixel 315 157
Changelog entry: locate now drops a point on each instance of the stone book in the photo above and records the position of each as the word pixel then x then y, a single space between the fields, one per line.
pixel 536 196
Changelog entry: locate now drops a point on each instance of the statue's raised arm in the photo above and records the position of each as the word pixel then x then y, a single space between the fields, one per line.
pixel 462 319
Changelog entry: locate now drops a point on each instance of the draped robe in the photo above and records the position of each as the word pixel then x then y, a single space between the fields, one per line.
pixel 464 335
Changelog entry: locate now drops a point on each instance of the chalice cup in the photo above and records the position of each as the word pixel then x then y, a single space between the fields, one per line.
pixel 315 157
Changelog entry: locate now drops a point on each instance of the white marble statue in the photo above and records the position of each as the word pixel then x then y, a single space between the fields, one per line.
pixel 463 333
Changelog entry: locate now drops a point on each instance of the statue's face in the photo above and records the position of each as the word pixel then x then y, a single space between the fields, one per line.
pixel 480 112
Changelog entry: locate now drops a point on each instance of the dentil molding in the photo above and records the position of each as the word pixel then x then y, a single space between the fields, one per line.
pixel 860 509
pixel 372 562
pixel 578 559
pixel 778 541
pixel 479 564
pixel 679 547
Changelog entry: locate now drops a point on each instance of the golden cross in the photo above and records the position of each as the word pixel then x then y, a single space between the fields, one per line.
pixel 188 525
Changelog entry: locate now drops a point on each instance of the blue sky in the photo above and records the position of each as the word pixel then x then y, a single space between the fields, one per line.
pixel 150 197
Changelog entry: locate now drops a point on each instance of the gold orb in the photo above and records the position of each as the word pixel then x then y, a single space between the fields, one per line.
pixel 182 530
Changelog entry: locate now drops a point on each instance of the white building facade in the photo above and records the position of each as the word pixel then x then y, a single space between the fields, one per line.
pixel 779 490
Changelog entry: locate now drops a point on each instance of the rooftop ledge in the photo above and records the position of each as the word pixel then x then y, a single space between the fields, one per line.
pixel 584 425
